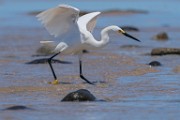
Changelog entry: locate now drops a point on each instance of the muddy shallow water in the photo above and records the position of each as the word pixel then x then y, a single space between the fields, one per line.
pixel 131 88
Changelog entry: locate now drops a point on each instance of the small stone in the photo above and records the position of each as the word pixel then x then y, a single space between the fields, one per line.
pixel 78 96
pixel 154 63
pixel 161 36
pixel 85 51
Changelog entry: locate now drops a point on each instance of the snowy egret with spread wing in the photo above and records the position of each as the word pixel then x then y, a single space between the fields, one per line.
pixel 74 32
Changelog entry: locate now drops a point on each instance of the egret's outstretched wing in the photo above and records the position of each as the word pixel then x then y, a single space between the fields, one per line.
pixel 88 21
pixel 60 19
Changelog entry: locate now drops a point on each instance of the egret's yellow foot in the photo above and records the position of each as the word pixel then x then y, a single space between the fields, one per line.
pixel 55 82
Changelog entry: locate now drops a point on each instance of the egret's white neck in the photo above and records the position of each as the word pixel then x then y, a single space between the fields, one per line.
pixel 105 35
pixel 104 38
pixel 89 39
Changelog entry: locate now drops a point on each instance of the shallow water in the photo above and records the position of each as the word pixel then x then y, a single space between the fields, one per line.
pixel 132 89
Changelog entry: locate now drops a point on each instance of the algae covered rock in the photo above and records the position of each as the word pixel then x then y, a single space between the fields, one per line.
pixel 78 96
pixel 161 36
pixel 165 51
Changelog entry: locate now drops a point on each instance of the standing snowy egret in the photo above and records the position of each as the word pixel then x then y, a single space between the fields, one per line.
pixel 74 32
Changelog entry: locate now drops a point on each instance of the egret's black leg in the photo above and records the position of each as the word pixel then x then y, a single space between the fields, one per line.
pixel 81 74
pixel 50 64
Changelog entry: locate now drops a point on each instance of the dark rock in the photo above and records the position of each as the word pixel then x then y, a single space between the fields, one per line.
pixel 129 28
pixel 161 36
pixel 85 51
pixel 154 63
pixel 45 61
pixel 79 95
pixel 165 51
pixel 17 107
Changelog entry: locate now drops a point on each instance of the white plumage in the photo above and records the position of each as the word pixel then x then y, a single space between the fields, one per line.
pixel 74 32
pixel 64 22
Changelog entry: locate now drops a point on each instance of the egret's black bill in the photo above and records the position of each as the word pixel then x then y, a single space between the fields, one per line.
pixel 127 35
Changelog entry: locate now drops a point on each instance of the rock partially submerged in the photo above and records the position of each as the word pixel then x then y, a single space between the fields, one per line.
pixel 165 51
pixel 17 107
pixel 155 63
pixel 161 36
pixel 45 61
pixel 79 96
